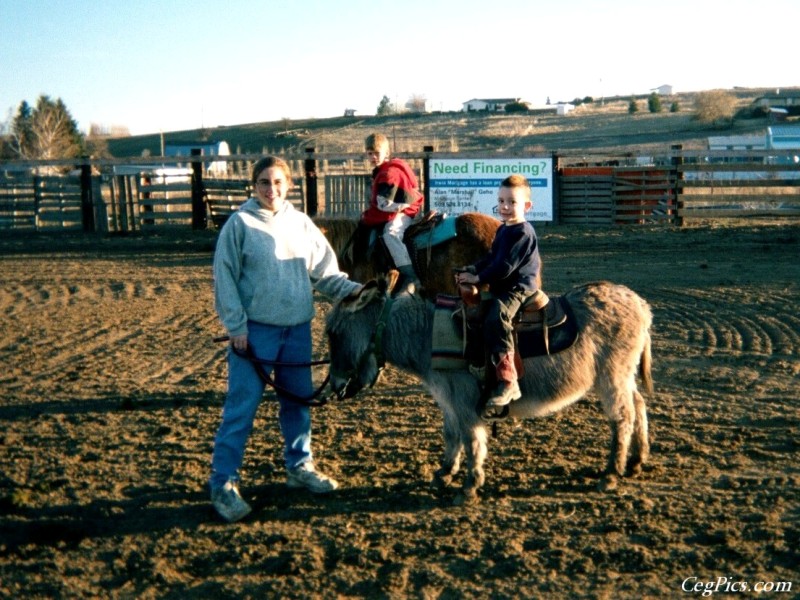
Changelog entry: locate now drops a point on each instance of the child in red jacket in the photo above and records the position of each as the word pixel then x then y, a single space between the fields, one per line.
pixel 394 201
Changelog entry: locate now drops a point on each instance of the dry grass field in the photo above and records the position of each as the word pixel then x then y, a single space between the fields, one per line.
pixel 112 389
pixel 599 127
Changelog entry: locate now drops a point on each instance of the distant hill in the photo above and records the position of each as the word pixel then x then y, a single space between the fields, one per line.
pixel 597 127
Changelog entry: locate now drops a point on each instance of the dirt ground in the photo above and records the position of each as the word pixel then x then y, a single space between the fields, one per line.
pixel 112 390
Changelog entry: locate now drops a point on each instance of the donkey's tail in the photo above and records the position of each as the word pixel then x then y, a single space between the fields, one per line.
pixel 646 364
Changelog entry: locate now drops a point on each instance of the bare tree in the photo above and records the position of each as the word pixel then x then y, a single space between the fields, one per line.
pixel 5 126
pixel 714 106
pixel 46 131
pixel 98 130
pixel 6 149
pixel 51 137
pixel 417 104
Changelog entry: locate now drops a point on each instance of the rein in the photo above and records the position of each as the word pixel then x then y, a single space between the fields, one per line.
pixel 376 343
pixel 259 363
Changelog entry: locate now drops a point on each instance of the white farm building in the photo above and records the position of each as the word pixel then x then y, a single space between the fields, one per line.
pixel 488 104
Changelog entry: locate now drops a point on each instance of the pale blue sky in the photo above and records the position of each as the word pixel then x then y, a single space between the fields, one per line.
pixel 181 64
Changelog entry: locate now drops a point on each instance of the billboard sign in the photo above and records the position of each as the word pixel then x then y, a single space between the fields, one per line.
pixel 460 185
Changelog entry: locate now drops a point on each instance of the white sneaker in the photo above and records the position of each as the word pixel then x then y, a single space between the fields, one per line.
pixel 229 503
pixel 307 476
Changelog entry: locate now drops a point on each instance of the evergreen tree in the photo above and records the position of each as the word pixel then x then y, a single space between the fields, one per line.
pixel 516 107
pixel 385 107
pixel 21 128
pixel 654 103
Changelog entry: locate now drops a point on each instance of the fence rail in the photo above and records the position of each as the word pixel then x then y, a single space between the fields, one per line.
pixel 40 202
pixel 585 197
pixel 346 195
pixel 131 195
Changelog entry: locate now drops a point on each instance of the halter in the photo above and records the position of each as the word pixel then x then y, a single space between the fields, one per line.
pixel 374 348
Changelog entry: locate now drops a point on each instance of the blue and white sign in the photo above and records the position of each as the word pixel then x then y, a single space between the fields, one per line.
pixel 460 185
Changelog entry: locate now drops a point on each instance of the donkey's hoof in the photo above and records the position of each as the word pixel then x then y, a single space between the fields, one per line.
pixel 441 480
pixel 634 470
pixel 440 484
pixel 466 498
pixel 609 483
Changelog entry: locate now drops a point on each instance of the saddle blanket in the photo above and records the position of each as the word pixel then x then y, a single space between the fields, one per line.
pixel 443 230
pixel 448 350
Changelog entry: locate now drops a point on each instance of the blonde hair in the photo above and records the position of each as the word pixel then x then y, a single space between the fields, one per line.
pixel 376 142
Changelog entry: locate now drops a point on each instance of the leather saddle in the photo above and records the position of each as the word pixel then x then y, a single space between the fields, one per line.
pixel 542 326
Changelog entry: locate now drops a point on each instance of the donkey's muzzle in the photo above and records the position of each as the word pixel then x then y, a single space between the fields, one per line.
pixel 345 388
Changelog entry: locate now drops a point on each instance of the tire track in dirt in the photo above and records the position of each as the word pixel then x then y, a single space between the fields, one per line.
pixel 135 318
pixel 31 295
pixel 104 491
pixel 716 323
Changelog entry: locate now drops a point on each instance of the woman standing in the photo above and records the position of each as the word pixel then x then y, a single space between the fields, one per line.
pixel 269 259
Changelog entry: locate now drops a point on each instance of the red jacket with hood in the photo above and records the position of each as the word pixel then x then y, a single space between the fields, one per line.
pixel 395 181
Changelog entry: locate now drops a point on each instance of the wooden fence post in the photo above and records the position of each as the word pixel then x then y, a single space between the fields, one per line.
pixel 426 176
pixel 198 203
pixel 556 179
pixel 310 167
pixel 87 208
pixel 677 174
pixel 121 185
pixel 37 199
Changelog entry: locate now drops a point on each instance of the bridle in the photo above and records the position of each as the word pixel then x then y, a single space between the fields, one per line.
pixel 374 349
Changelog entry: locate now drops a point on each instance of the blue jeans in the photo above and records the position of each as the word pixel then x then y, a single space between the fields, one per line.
pixel 246 389
pixel 498 325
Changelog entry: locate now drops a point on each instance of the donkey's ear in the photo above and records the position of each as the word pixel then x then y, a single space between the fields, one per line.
pixel 388 281
pixel 364 296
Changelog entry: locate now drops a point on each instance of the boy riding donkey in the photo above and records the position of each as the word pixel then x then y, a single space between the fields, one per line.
pixel 395 200
pixel 511 270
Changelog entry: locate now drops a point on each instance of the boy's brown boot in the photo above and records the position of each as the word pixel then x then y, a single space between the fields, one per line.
pixel 507 388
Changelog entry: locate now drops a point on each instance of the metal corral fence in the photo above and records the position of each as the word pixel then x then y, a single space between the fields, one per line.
pixel 149 194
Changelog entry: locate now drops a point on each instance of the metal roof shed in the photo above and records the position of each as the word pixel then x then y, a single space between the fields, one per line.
pixel 783 137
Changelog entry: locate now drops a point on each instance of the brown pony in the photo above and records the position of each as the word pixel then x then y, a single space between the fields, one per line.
pixel 434 264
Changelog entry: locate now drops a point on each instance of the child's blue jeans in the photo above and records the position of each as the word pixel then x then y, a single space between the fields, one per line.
pixel 498 325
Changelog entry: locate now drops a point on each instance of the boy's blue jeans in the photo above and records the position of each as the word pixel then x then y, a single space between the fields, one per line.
pixel 246 389
pixel 498 325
